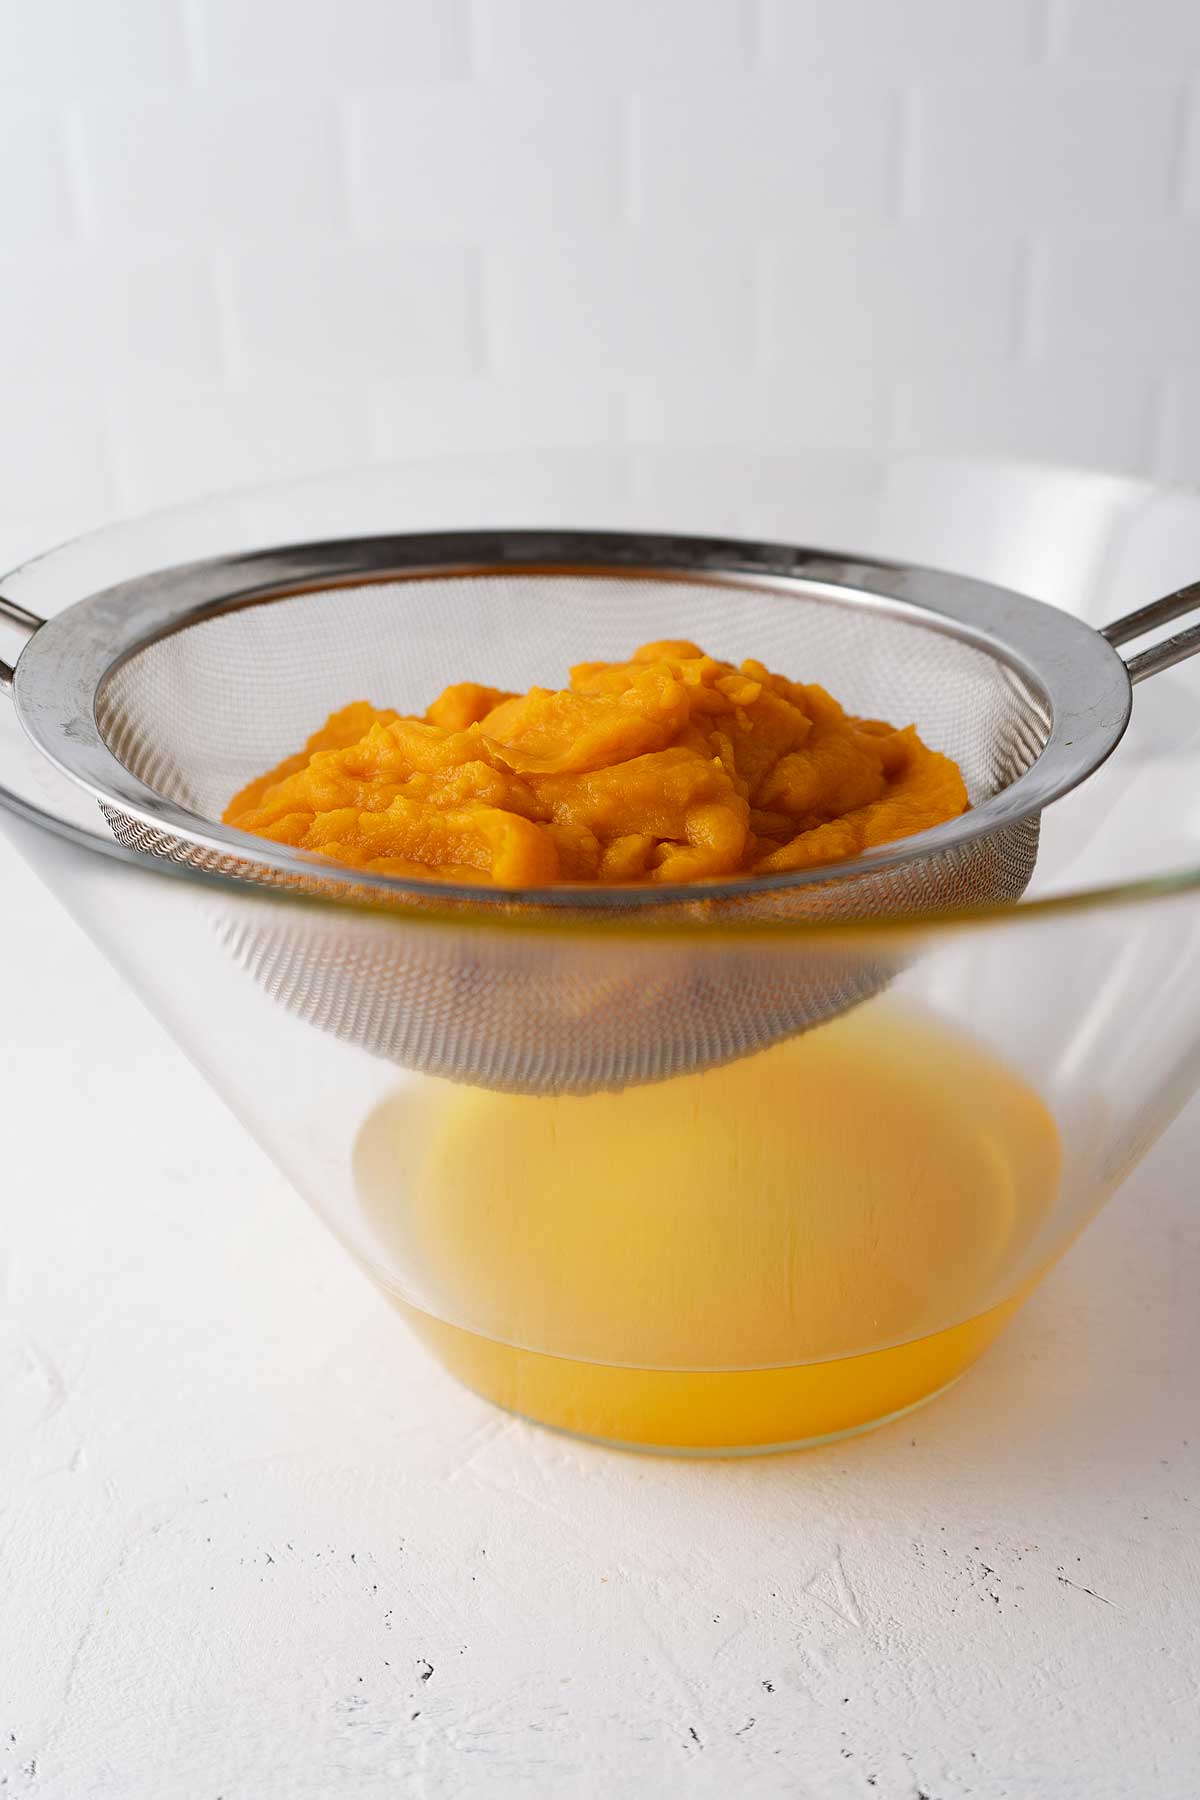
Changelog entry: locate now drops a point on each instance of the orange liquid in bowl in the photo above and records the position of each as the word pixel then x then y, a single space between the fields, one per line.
pixel 788 1248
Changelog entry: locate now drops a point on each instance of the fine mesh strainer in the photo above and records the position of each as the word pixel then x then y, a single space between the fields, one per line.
pixel 165 694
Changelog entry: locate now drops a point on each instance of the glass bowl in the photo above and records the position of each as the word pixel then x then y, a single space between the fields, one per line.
pixel 790 1246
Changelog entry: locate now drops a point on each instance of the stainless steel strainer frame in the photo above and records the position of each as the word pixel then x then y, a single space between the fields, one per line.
pixel 579 1010
pixel 1074 671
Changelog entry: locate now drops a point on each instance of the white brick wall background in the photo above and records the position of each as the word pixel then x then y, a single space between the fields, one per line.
pixel 249 238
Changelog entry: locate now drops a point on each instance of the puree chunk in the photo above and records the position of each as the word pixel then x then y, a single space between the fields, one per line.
pixel 670 767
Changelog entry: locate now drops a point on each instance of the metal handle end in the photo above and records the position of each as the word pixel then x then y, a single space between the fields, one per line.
pixel 1172 650
pixel 26 621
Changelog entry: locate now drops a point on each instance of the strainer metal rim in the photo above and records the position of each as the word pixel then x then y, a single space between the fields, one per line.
pixel 1076 674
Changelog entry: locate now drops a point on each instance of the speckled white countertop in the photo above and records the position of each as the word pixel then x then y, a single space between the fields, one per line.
pixel 253 1545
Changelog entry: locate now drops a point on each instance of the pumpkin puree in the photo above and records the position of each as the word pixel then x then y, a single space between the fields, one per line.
pixel 671 767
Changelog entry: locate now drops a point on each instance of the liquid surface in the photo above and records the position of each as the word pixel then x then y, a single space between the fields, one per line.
pixel 785 1248
pixel 670 767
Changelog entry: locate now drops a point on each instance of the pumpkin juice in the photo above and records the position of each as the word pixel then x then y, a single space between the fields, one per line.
pixel 786 1248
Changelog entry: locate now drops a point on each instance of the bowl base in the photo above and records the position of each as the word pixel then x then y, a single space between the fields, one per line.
pixel 719 1452
pixel 741 1412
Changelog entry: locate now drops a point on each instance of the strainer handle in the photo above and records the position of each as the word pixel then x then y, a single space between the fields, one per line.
pixel 27 621
pixel 1172 650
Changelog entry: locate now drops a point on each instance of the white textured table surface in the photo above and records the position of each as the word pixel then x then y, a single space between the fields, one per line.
pixel 252 1544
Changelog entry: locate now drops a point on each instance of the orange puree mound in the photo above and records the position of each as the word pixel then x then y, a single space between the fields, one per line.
pixel 670 767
